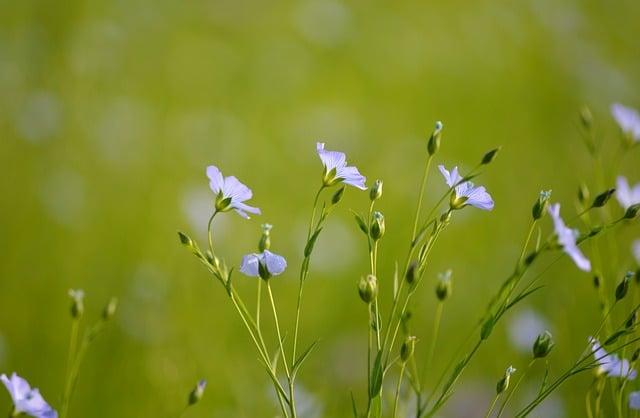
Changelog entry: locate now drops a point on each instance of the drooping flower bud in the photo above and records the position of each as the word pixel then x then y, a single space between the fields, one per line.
pixel 623 286
pixel 77 303
pixel 197 392
pixel 540 205
pixel 407 349
pixel 265 239
pixel 603 198
pixel 412 273
pixel 368 288
pixel 434 140
pixel 543 345
pixel 444 286
pixel 337 196
pixel 490 156
pixel 377 226
pixel 375 192
pixel 110 309
pixel 503 384
pixel 632 211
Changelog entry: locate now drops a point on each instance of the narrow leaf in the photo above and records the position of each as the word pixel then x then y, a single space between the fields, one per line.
pixel 302 358
pixel 308 249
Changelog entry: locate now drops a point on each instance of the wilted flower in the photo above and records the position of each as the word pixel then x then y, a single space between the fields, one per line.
pixel 230 193
pixel 264 265
pixel 503 384
pixel 466 193
pixel 540 205
pixel 611 364
pixel 444 285
pixel 634 401
pixel 625 194
pixel 77 304
pixel 197 392
pixel 336 169
pixel 26 400
pixel 567 238
pixel 628 119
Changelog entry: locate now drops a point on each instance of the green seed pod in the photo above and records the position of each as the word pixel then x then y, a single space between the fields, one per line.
pixel 490 156
pixel 375 192
pixel 632 211
pixel 434 140
pixel 368 288
pixel 540 205
pixel 407 349
pixel 110 310
pixel 602 198
pixel 623 286
pixel 503 384
pixel 444 286
pixel 543 345
pixel 377 226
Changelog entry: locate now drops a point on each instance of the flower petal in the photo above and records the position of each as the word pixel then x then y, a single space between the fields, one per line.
pixel 479 198
pixel 634 400
pixel 236 190
pixel 352 177
pixel 331 159
pixel 567 238
pixel 276 264
pixel 243 208
pixel 216 180
pixel 249 265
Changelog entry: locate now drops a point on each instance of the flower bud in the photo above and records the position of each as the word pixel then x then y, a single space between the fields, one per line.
pixel 543 345
pixel 265 239
pixel 375 192
pixel 623 286
pixel 110 310
pixel 412 273
pixel 583 195
pixel 632 319
pixel 632 211
pixel 540 205
pixel 503 384
pixel 443 288
pixel 586 119
pixel 603 198
pixel 434 140
pixel 490 156
pixel 77 303
pixel 377 226
pixel 407 348
pixel 596 281
pixel 197 392
pixel 635 355
pixel 337 196
pixel 368 288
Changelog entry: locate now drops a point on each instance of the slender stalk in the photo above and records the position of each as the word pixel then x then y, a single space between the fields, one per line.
pixel 436 329
pixel 398 386
pixel 258 299
pixel 73 343
pixel 416 218
pixel 515 388
pixel 493 405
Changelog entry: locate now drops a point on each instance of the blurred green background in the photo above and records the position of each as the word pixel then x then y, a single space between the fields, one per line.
pixel 110 111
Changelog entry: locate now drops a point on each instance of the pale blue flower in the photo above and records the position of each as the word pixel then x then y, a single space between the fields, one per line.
pixel 230 193
pixel 265 264
pixel 628 119
pixel 336 169
pixel 26 400
pixel 567 239
pixel 626 194
pixel 466 193
pixel 610 364
pixel 634 401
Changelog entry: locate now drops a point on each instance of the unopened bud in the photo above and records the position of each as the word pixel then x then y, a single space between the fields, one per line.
pixel 407 348
pixel 375 192
pixel 623 286
pixel 337 196
pixel 583 195
pixel 635 355
pixel 632 319
pixel 368 288
pixel 586 119
pixel 265 239
pixel 543 345
pixel 503 384
pixel 596 281
pixel 197 392
pixel 602 198
pixel 110 310
pixel 444 286
pixel 377 226
pixel 490 156
pixel 434 140
pixel 540 205
pixel 632 211
pixel 412 273
pixel 77 303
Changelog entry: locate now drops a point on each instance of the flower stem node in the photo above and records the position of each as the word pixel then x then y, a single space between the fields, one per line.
pixel 265 239
pixel 407 349
pixel 603 198
pixel 543 345
pixel 197 392
pixel 434 140
pixel 77 303
pixel 444 286
pixel 503 384
pixel 375 192
pixel 110 309
pixel 540 205
pixel 368 288
pixel 490 156
pixel 623 287
pixel 377 226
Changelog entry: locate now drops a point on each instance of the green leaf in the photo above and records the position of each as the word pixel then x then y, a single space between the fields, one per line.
pixel 376 376
pixel 302 358
pixel 353 405
pixel 521 296
pixel 227 285
pixel 308 249
pixel 361 223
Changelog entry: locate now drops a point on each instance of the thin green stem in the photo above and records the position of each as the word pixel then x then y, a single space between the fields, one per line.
pixel 258 299
pixel 434 336
pixel 423 184
pixel 493 405
pixel 515 388
pixel 398 386
pixel 73 343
